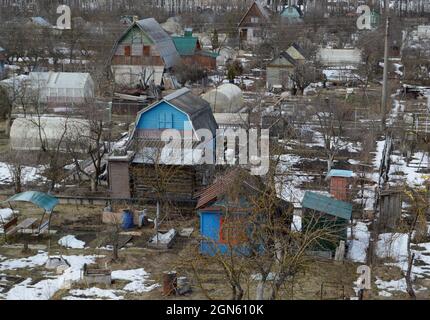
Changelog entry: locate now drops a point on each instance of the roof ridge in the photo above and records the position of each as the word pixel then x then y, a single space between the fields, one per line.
pixel 176 94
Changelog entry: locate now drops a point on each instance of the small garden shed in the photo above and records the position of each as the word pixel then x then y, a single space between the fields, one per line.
pixel 322 212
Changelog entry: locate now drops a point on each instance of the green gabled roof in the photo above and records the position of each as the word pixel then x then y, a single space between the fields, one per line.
pixel 186 46
pixel 321 203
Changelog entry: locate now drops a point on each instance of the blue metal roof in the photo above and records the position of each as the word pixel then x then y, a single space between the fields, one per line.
pixel 321 203
pixel 340 173
pixel 40 21
pixel 43 200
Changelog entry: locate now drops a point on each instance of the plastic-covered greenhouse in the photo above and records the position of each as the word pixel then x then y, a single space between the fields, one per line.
pixel 29 133
pixel 226 98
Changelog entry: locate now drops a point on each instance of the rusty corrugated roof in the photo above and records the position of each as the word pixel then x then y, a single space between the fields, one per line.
pixel 219 187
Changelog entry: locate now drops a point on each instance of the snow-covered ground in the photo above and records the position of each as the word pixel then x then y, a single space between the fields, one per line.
pixel 94 294
pixel 5 214
pixel 357 250
pixel 29 174
pixel 44 289
pixel 70 241
pixel 394 247
pixel 138 280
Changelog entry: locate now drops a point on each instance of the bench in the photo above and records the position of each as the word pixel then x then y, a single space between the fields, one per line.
pixel 10 227
pixel 44 226
pixel 26 224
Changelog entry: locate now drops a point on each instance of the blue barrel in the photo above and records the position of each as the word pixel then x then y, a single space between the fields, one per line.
pixel 127 220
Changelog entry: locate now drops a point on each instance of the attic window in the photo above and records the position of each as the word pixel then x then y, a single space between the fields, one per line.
pixel 127 51
pixel 254 19
pixel 146 51
pixel 165 121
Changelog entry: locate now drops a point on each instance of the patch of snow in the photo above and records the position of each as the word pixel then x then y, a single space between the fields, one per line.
pixel 164 237
pixel 70 241
pixel 5 214
pixel 28 263
pixel 357 250
pixel 95 293
pixel 29 174
pixel 45 289
pixel 392 245
pixel 297 223
pixel 384 293
pixel 138 278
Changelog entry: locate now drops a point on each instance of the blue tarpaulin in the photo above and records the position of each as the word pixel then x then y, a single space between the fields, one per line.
pixel 40 199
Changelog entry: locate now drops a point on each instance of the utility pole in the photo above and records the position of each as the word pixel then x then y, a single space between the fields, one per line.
pixel 385 76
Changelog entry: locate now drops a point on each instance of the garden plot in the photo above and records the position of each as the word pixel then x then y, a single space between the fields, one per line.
pixel 43 285
pixel 138 283
pixel 46 288
pixel 393 246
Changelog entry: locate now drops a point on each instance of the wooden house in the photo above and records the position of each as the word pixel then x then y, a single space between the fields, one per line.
pixel 322 212
pixel 149 165
pixel 225 208
pixel 142 54
pixel 339 183
pixel 254 24
pixel 192 53
pixel 279 69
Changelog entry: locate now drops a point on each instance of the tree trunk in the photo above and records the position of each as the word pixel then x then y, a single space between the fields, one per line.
pixel 93 184
pixel 7 124
pixel 18 187
pixel 259 292
pixel 409 285
pixel 330 162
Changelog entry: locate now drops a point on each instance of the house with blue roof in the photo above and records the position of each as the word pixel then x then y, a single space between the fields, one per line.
pixel 132 174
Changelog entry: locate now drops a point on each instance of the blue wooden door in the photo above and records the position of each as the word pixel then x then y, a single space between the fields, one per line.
pixel 209 229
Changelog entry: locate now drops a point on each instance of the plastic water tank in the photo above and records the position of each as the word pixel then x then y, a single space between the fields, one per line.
pixel 127 220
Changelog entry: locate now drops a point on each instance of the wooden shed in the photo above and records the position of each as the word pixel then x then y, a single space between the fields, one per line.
pixel 322 212
pixel 339 183
pixel 192 53
pixel 225 208
pixel 390 208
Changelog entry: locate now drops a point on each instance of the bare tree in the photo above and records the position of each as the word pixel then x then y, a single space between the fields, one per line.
pixel 331 119
pixel 89 143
